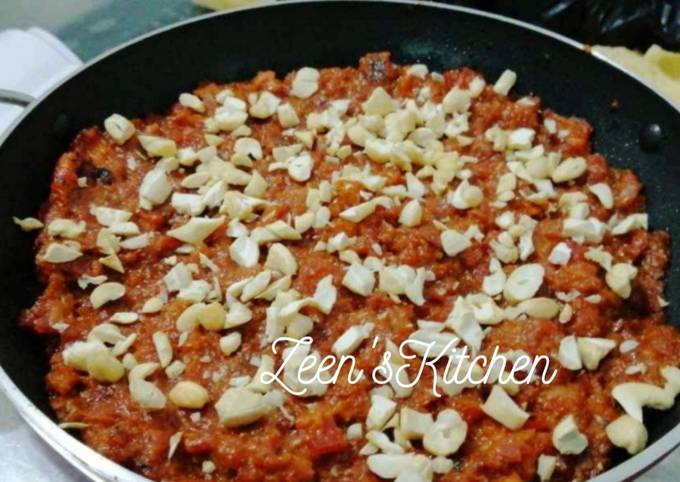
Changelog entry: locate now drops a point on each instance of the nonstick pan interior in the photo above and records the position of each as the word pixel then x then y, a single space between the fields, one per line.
pixel 147 76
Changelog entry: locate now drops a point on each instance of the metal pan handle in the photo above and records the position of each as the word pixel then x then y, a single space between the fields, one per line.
pixel 15 98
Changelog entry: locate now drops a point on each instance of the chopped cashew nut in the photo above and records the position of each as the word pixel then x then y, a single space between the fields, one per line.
pixel 568 354
pixel 593 350
pixel 66 228
pixel 230 343
pixel 350 340
pixel 61 253
pixel 505 82
pixel 603 193
pixel 163 347
pixel 569 169
pixel 543 308
pixel 390 466
pixel 241 406
pixel 106 292
pixel 378 103
pixel 196 230
pixel 567 438
pixel 523 282
pixel 619 277
pixel 192 102
pixel 454 242
pixel 445 436
pixel 380 412
pixel 188 394
pixel 145 393
pixel 359 279
pixel 305 83
pixel 265 106
pixel 157 146
pixel 119 128
pixel 633 396
pixel 28 224
pixel 245 251
pixel 414 424
pixel 546 467
pixel 281 259
pixel 503 409
pixel 560 254
pixel 627 433
pixel 411 214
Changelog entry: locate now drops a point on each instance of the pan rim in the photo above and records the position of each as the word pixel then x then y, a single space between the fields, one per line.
pixel 99 468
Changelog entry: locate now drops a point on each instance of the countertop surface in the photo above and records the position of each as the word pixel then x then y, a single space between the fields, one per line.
pixel 90 27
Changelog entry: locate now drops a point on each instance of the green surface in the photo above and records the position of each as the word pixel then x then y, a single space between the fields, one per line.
pixel 90 27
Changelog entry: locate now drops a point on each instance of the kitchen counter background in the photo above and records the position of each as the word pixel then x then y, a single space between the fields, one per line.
pixel 90 27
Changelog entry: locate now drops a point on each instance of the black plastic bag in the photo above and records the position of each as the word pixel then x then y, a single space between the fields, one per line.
pixel 632 23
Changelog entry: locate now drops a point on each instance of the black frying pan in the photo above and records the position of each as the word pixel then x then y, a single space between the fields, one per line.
pixel 146 76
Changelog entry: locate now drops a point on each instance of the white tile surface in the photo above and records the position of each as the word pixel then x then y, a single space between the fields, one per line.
pixel 24 457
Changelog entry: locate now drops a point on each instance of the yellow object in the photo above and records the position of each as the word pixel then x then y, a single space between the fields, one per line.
pixel 224 4
pixel 659 67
